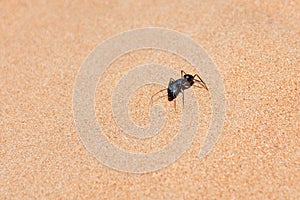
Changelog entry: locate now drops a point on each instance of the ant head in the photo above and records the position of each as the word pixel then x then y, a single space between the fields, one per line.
pixel 189 78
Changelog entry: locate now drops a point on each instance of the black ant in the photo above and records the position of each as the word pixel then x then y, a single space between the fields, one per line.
pixel 179 85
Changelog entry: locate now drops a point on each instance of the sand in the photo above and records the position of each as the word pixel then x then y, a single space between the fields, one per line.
pixel 255 47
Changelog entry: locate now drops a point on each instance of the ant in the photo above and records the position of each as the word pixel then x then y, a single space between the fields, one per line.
pixel 179 85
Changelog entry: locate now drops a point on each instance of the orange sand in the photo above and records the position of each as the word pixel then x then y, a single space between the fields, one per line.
pixel 255 47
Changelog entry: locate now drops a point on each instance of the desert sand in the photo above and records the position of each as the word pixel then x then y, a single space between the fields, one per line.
pixel 255 48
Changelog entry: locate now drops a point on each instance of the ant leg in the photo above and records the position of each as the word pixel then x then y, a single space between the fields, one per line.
pixel 182 73
pixel 170 82
pixel 200 81
pixel 200 87
pixel 182 99
pixel 196 75
pixel 175 104
pixel 156 94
